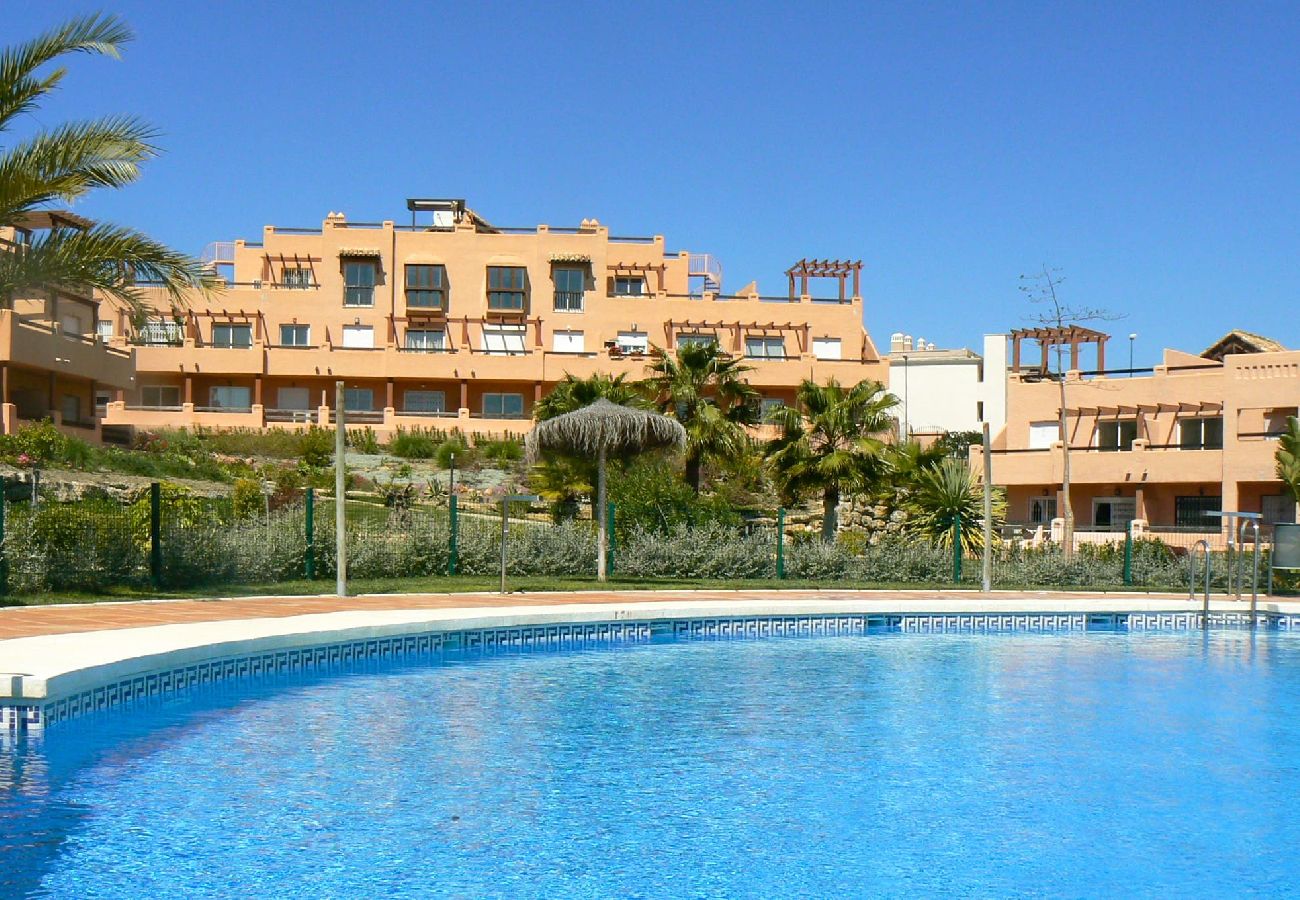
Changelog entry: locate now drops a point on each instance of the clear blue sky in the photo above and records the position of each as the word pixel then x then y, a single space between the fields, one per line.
pixel 1149 151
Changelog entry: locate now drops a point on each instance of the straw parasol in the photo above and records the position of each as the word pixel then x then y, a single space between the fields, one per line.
pixel 603 429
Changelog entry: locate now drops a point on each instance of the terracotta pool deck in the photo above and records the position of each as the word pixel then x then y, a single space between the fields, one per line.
pixel 33 621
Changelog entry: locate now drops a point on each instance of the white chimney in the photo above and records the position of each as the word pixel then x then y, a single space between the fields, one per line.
pixel 907 343
pixel 896 342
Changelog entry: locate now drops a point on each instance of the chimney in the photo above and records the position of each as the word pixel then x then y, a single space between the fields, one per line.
pixel 896 342
pixel 907 343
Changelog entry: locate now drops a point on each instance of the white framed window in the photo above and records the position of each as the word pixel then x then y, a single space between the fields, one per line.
pixel 359 337
pixel 292 398
pixel 827 348
pixel 429 340
pixel 503 406
pixel 629 286
pixel 1117 435
pixel 696 340
pixel 1201 434
pixel 1043 434
pixel 232 335
pixel 160 396
pixel 569 342
pixel 295 335
pixel 1113 513
pixel 1042 510
pixel 296 277
pixel 633 341
pixel 230 397
pixel 762 347
pixel 358 399
pixel 503 339
pixel 104 329
pixel 424 401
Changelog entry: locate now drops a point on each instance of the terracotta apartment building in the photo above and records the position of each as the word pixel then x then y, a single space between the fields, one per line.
pixel 451 321
pixel 1163 446
pixel 52 364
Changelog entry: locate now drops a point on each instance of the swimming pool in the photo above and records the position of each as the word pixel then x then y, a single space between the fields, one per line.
pixel 1086 763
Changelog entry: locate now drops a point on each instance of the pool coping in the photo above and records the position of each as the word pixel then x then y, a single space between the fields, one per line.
pixel 51 677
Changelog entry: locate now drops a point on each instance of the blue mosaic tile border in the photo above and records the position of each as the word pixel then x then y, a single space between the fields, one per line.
pixel 34 718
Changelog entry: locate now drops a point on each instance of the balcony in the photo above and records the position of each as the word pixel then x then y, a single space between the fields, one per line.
pixel 207 359
pixel 39 345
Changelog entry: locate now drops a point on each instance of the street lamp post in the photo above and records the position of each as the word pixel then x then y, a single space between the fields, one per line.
pixel 1131 338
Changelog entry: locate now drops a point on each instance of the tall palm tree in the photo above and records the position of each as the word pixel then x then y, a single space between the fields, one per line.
pixel 702 388
pixel 63 163
pixel 832 441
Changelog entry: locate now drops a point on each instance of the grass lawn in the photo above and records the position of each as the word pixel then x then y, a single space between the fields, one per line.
pixel 521 584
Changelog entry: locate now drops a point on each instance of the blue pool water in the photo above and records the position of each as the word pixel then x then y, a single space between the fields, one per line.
pixel 888 765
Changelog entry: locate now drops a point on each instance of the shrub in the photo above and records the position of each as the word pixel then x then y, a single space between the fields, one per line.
pixel 316 446
pixel 454 444
pixel 416 443
pixel 246 499
pixel 504 450
pixel 363 440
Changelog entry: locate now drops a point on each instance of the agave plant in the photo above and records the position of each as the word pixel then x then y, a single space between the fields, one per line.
pixel 946 494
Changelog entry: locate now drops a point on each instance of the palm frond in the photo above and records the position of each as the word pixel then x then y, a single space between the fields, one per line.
pixel 21 88
pixel 1288 457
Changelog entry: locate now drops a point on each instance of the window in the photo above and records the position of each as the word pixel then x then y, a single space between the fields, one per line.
pixel 358 284
pixel 1043 434
pixel 503 406
pixel 1117 435
pixel 979 410
pixel 695 340
pixel 569 287
pixel 765 347
pixel 70 407
pixel 295 335
pixel 1190 512
pixel 358 337
pixel 633 341
pixel 1276 508
pixel 429 341
pixel 424 401
pixel 160 397
pixel 71 325
pixel 104 329
pixel 230 397
pixel 768 406
pixel 232 335
pixel 1042 510
pixel 506 287
pixel 102 399
pixel 358 399
pixel 1201 434
pixel 569 342
pixel 629 286
pixel 503 339
pixel 296 277
pixel 292 398
pixel 827 348
pixel 1113 513
pixel 161 331
pixel 426 286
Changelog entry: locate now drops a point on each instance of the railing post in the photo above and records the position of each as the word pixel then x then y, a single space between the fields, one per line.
pixel 613 542
pixel 1128 556
pixel 453 525
pixel 309 508
pixel 956 551
pixel 155 533
pixel 780 542
pixel 4 554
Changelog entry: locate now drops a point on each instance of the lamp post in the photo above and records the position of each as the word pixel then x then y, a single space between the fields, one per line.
pixel 1131 338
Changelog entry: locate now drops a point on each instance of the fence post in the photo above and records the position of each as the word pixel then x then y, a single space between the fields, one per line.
pixel 1128 556
pixel 613 543
pixel 310 509
pixel 155 533
pixel 4 554
pixel 780 542
pixel 453 526
pixel 956 551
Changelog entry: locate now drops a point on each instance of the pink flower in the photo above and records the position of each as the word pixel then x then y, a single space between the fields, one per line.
pixel 24 459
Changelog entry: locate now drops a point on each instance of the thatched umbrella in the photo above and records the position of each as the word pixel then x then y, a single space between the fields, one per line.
pixel 604 429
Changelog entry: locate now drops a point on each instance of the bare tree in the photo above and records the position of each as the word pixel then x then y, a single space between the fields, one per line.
pixel 1041 289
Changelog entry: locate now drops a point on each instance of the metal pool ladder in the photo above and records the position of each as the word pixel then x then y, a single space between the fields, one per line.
pixel 1191 579
pixel 1241 562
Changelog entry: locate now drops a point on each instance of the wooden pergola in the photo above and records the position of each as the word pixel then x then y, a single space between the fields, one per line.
pixel 1051 337
pixel 840 269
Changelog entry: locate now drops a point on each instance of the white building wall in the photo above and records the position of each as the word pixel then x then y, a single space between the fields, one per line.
pixel 994 388
pixel 950 390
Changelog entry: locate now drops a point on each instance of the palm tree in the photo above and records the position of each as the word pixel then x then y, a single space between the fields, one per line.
pixel 1287 457
pixel 701 387
pixel 572 393
pixel 949 493
pixel 65 162
pixel 831 441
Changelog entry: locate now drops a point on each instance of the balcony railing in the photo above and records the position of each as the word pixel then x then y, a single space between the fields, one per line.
pixel 303 416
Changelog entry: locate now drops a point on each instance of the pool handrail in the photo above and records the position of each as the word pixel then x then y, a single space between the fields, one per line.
pixel 1191 579
pixel 1254 579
